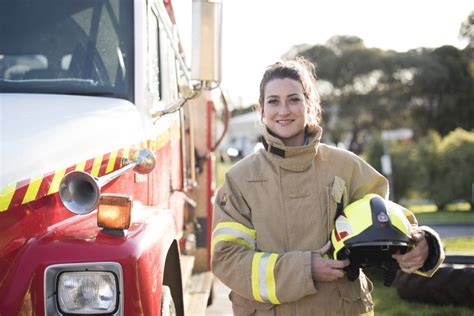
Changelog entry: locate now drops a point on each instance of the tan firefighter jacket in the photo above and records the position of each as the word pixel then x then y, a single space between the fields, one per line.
pixel 272 212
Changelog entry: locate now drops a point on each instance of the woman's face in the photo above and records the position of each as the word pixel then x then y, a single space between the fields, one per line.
pixel 284 110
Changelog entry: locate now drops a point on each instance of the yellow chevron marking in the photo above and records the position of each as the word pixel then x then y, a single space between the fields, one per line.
pixel 81 166
pixel 56 181
pixel 111 163
pixel 32 190
pixel 96 166
pixel 6 195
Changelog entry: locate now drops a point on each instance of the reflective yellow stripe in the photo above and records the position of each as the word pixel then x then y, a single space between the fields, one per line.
pixel 96 166
pixel 56 181
pixel 263 277
pixel 111 162
pixel 255 282
pixel 32 190
pixel 231 238
pixel 371 313
pixel 80 166
pixel 236 226
pixel 270 276
pixel 6 195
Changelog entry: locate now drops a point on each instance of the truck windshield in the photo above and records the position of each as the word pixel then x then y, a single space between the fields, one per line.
pixel 82 47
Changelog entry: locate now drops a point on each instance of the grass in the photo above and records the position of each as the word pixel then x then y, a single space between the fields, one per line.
pixel 388 303
pixel 463 245
pixel 444 217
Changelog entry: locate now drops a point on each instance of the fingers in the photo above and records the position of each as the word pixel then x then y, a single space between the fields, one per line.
pixel 325 248
pixel 327 270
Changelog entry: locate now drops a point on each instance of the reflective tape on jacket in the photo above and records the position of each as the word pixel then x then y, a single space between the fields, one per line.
pixel 233 232
pixel 263 277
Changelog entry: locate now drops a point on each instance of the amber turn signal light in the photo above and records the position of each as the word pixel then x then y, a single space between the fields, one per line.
pixel 114 211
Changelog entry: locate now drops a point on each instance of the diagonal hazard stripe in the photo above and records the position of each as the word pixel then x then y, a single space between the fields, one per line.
pixel 111 162
pixel 81 166
pixel 96 166
pixel 6 195
pixel 56 181
pixel 32 191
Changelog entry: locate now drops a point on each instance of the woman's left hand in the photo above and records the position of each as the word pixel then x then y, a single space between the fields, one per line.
pixel 415 258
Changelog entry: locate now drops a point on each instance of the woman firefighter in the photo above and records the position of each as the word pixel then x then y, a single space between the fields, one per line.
pixel 276 210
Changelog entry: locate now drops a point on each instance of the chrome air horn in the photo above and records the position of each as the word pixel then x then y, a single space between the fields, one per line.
pixel 80 192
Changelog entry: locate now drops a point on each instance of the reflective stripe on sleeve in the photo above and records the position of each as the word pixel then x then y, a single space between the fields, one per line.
pixel 233 232
pixel 263 277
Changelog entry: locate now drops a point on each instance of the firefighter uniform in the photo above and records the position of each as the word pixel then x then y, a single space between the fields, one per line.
pixel 276 207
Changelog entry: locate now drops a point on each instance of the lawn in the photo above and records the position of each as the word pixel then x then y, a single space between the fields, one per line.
pixel 463 245
pixel 388 303
pixel 445 217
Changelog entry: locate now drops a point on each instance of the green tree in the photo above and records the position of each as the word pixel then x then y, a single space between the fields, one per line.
pixel 455 168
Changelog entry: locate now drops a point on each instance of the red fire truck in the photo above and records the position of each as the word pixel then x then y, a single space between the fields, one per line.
pixel 106 166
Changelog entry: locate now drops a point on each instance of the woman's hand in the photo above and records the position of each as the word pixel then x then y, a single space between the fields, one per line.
pixel 326 270
pixel 415 258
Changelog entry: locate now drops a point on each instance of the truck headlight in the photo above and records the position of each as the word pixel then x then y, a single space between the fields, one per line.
pixel 93 292
pixel 85 288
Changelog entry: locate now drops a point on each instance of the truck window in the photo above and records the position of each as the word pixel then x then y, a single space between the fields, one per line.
pixel 82 47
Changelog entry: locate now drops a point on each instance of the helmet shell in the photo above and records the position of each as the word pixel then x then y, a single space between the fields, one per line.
pixel 370 222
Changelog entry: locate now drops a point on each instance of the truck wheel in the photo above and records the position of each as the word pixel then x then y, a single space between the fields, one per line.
pixel 167 303
pixel 448 286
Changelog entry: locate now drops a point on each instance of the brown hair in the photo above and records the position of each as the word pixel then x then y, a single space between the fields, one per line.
pixel 301 70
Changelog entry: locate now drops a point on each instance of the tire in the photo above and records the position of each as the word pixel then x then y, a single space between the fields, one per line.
pixel 167 303
pixel 448 286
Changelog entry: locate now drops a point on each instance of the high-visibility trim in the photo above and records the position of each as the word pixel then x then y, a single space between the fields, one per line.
pixel 111 162
pixel 233 232
pixel 96 166
pixel 28 190
pixel 255 278
pixel 230 238
pixel 80 166
pixel 270 277
pixel 32 190
pixel 263 277
pixel 236 226
pixel 6 195
pixel 56 181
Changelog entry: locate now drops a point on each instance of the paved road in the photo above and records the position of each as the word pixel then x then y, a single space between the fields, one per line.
pixel 222 306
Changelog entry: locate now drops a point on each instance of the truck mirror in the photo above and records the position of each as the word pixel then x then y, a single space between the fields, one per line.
pixel 207 38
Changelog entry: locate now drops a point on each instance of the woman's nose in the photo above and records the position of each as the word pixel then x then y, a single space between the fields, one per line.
pixel 284 108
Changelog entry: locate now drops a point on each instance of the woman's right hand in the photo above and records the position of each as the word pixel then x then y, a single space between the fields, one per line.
pixel 326 270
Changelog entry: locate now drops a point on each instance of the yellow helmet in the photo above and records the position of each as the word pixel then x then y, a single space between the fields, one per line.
pixel 368 232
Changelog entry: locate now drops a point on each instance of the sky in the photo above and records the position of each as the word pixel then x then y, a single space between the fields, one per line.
pixel 257 33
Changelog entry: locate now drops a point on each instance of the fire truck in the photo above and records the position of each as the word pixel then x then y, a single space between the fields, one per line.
pixel 107 142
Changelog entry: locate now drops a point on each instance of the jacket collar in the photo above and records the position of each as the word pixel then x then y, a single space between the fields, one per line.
pixel 291 158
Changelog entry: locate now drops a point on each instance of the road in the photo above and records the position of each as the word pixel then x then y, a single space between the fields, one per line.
pixel 222 305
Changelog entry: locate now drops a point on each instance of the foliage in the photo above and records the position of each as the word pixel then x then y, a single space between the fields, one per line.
pixel 372 89
pixel 433 167
pixel 454 168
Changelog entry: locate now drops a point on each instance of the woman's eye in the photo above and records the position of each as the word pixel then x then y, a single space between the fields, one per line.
pixel 272 101
pixel 295 100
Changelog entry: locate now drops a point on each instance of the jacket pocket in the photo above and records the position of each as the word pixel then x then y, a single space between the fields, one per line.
pixel 242 306
pixel 355 296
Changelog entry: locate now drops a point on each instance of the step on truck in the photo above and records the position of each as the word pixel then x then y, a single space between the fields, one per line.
pixel 107 142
